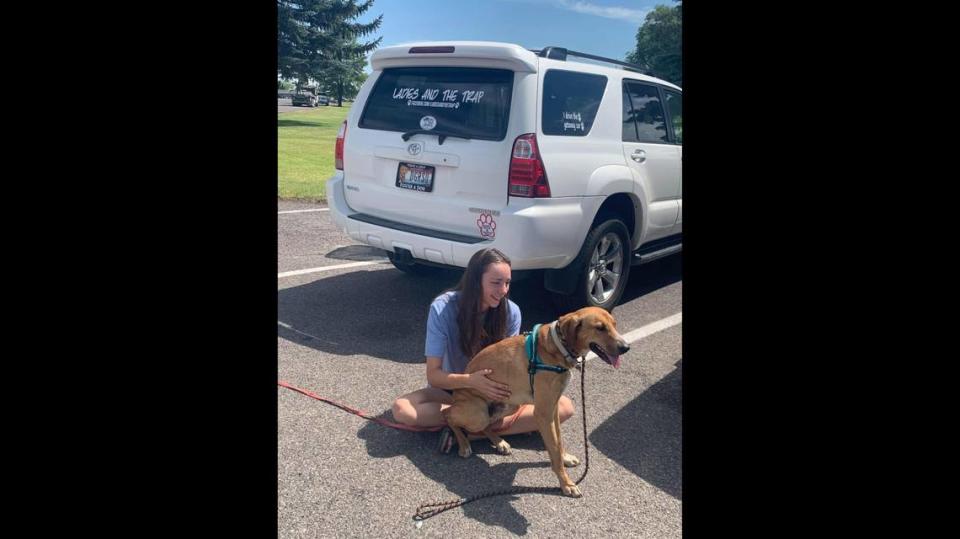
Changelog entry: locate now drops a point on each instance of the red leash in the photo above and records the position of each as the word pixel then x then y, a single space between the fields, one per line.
pixel 360 413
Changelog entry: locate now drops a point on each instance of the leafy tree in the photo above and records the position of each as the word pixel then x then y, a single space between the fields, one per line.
pixel 659 44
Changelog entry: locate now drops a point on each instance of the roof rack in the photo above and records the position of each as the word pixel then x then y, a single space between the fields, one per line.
pixel 560 53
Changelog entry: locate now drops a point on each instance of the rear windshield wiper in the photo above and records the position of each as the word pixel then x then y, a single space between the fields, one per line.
pixel 406 136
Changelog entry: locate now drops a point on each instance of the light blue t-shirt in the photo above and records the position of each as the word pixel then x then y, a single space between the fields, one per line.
pixel 443 337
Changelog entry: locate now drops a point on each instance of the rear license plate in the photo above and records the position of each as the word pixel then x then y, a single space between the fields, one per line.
pixel 416 177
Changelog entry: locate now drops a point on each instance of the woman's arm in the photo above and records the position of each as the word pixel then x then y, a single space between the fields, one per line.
pixel 477 380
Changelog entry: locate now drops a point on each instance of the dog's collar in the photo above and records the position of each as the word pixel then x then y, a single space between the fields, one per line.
pixel 557 340
pixel 536 364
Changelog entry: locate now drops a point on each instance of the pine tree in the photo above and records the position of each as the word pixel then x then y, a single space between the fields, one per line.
pixel 318 39
pixel 343 56
pixel 292 37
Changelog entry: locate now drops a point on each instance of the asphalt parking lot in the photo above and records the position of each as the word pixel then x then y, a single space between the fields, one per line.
pixel 351 328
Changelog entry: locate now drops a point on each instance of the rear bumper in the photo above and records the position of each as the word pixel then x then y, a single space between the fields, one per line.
pixel 534 233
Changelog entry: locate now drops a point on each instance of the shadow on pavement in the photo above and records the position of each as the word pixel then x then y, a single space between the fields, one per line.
pixel 383 313
pixel 463 477
pixel 653 276
pixel 644 436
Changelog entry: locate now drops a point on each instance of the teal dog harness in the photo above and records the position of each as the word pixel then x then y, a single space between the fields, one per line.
pixel 536 364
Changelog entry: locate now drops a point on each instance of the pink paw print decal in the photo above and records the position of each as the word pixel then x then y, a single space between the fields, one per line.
pixel 488 227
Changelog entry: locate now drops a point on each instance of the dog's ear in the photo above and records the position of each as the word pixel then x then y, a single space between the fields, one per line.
pixel 570 327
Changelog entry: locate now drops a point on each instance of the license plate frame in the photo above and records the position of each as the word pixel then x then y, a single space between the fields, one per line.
pixel 416 177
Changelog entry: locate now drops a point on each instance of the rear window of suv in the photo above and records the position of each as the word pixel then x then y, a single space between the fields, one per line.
pixel 469 102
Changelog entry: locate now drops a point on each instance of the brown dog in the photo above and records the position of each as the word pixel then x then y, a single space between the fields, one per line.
pixel 590 328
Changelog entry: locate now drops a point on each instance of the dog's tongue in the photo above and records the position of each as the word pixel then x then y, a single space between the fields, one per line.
pixel 615 361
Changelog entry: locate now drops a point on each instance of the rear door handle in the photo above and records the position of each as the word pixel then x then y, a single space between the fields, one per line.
pixel 639 156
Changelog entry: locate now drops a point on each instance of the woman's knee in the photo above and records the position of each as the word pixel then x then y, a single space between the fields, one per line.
pixel 403 412
pixel 565 409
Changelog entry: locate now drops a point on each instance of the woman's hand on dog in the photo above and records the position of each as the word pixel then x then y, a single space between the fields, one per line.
pixel 492 390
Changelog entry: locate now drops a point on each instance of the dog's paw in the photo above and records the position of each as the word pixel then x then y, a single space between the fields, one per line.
pixel 572 491
pixel 503 447
pixel 466 451
pixel 570 461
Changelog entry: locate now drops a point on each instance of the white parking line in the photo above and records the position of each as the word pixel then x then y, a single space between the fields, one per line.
pixel 303 211
pixel 654 327
pixel 330 268
pixel 647 330
pixel 314 337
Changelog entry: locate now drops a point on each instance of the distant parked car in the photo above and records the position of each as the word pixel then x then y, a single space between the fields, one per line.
pixel 305 96
pixel 323 100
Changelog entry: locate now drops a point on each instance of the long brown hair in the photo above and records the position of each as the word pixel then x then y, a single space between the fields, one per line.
pixel 479 330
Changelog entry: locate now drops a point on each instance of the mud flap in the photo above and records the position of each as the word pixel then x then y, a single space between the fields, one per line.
pixel 563 280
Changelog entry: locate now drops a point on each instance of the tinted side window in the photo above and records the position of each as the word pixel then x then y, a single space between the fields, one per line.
pixel 570 102
pixel 675 108
pixel 647 111
pixel 472 102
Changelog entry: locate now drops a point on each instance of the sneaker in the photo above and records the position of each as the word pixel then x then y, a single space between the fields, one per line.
pixel 446 440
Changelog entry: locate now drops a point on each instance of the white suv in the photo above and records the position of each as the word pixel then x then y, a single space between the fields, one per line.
pixel 568 167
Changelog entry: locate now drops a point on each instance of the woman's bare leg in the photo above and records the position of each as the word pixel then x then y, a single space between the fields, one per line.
pixel 421 408
pixel 526 423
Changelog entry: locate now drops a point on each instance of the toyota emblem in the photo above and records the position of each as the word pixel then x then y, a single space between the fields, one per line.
pixel 415 148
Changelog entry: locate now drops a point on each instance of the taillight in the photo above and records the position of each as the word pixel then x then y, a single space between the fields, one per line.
pixel 338 152
pixel 528 178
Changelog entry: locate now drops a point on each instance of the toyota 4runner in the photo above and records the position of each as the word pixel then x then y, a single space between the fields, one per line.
pixel 568 167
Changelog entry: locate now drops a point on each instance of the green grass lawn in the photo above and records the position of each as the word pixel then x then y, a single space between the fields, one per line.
pixel 305 143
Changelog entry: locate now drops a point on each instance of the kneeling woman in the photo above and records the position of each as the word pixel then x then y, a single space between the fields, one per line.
pixel 475 314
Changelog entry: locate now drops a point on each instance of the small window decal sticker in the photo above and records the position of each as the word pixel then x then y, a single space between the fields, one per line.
pixel 428 123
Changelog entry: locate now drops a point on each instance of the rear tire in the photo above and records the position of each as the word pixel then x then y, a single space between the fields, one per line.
pixel 604 262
